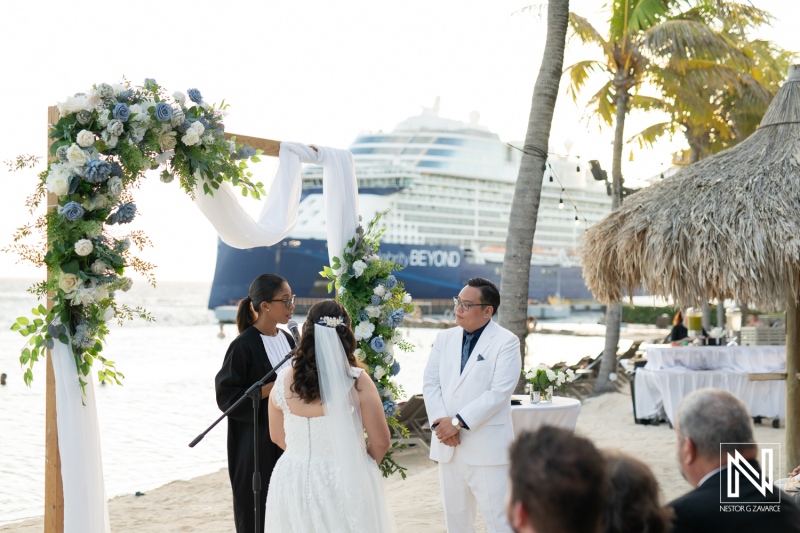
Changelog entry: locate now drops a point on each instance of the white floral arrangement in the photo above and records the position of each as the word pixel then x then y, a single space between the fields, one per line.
pixel 377 303
pixel 104 142
pixel 541 377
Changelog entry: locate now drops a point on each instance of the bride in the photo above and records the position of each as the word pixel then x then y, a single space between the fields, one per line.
pixel 327 479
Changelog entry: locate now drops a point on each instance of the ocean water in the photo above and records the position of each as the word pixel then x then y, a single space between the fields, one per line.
pixel 168 394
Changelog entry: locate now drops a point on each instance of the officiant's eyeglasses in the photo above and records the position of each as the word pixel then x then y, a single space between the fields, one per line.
pixel 288 302
pixel 464 307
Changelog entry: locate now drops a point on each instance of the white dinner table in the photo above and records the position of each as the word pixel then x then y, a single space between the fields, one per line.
pixel 561 412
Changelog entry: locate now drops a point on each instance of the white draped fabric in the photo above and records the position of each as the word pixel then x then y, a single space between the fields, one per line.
pixel 734 358
pixel 561 412
pixel 85 507
pixel 279 214
pixel 662 391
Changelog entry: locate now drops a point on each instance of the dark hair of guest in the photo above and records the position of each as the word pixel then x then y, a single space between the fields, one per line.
pixel 560 479
pixel 633 499
pixel 489 293
pixel 263 289
pixel 305 380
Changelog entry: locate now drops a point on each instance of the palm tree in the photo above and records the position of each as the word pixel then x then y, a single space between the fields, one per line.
pixel 528 189
pixel 641 33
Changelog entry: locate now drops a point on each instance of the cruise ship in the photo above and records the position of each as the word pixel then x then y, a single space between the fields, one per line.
pixel 448 185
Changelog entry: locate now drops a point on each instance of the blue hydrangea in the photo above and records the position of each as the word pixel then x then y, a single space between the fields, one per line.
pixel 116 170
pixel 123 214
pixel 163 112
pixel 72 211
pixel 363 316
pixel 378 344
pixel 150 84
pixel 391 283
pixel 375 300
pixel 97 171
pixel 121 112
pixel 246 151
pixel 184 126
pixel 396 318
pixel 395 368
pixel 195 96
pixel 389 408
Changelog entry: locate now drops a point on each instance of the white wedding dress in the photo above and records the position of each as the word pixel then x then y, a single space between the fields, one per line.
pixel 310 490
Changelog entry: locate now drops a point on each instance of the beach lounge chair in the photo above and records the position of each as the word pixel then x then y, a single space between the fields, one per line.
pixel 412 415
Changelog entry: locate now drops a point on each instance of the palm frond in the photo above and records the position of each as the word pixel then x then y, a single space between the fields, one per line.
pixel 602 104
pixel 588 34
pixel 648 137
pixel 686 39
pixel 579 73
pixel 647 103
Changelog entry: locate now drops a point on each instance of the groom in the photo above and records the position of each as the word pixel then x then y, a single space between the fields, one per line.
pixel 469 378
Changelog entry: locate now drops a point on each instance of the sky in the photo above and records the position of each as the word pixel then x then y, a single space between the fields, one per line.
pixel 304 71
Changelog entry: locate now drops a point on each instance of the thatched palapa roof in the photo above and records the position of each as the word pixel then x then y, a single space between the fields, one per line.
pixel 726 227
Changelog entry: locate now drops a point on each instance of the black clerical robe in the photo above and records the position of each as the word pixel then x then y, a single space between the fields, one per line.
pixel 245 363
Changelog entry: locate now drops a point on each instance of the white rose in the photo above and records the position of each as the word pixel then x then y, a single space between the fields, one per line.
pixel 360 355
pixel 72 104
pixel 164 156
pixel 364 330
pixel 84 247
pixel 379 372
pixel 359 267
pixel 69 282
pixel 530 374
pixel 114 186
pixel 168 140
pixel 197 127
pixel 135 108
pixel 82 297
pixel 108 314
pixel 208 139
pixel 387 296
pixel 380 290
pixel 76 156
pixel 373 311
pixel 57 181
pixel 407 298
pixel 179 97
pixel 190 138
pixel 99 268
pixel 118 88
pixel 551 376
pixel 86 138
pixel 387 360
pixel 100 293
pixel 96 202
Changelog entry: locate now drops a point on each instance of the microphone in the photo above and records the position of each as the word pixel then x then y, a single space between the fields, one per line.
pixel 293 329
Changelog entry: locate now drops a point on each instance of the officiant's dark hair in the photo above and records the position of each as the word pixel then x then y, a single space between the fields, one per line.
pixel 263 289
pixel 489 293
pixel 305 379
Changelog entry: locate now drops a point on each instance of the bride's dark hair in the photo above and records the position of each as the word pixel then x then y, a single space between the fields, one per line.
pixel 305 379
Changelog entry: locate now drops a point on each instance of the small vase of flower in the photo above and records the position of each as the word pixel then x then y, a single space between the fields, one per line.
pixel 543 380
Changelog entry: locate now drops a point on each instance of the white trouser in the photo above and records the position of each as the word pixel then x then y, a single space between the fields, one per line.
pixel 465 487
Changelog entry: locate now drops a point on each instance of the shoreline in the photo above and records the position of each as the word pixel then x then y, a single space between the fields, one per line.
pixel 203 504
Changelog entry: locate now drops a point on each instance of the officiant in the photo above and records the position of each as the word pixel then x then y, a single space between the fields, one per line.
pixel 260 346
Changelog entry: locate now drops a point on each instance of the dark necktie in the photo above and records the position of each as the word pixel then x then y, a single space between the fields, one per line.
pixel 465 350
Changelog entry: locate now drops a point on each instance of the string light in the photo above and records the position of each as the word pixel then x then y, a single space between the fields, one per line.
pixel 561 201
pixel 577 222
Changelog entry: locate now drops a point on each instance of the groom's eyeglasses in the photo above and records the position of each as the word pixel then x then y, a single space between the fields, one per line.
pixel 288 302
pixel 457 303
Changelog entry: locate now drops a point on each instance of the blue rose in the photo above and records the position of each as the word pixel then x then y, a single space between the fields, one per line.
pixel 163 112
pixel 396 318
pixel 123 214
pixel 121 112
pixel 389 408
pixel 375 300
pixel 195 96
pixel 72 211
pixel 363 316
pixel 125 95
pixel 97 171
pixel 395 368
pixel 378 344
pixel 150 84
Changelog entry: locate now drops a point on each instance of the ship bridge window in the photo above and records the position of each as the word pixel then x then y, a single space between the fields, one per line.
pixel 450 140
pixel 440 151
pixel 375 150
pixel 430 164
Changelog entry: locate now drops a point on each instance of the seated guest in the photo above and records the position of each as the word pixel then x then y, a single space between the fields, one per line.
pixel 753 321
pixel 679 329
pixel 707 418
pixel 558 483
pixel 633 505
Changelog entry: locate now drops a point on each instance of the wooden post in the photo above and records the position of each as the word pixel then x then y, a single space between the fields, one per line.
pixel 792 385
pixel 270 147
pixel 53 487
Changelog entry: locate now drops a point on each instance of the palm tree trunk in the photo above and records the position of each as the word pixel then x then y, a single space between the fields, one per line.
pixel 528 190
pixel 608 363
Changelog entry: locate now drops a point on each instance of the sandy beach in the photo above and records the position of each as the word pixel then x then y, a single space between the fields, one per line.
pixel 203 504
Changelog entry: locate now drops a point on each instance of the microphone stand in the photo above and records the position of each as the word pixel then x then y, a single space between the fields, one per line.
pixel 254 393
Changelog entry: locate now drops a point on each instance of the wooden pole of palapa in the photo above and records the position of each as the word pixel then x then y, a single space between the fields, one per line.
pixel 53 487
pixel 792 385
pixel 270 147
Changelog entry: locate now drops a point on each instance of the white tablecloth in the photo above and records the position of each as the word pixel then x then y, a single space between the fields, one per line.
pixel 733 358
pixel 662 391
pixel 561 412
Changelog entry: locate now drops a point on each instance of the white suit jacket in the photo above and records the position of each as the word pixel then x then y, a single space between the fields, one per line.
pixel 481 394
